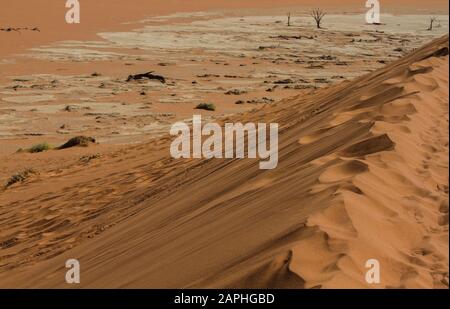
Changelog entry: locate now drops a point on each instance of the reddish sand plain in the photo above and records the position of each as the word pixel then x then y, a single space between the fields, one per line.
pixel 102 15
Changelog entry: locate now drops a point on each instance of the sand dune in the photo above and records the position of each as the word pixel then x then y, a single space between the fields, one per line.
pixel 362 174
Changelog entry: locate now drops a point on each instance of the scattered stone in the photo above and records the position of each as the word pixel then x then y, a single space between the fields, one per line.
pixel 87 159
pixel 15 87
pixel 315 66
pixel 21 177
pixel 235 92
pixel 99 115
pixel 18 29
pixel 206 106
pixel 284 82
pixel 207 75
pixel 267 47
pixel 287 37
pixel 272 88
pixel 82 141
pixel 299 87
pixel 263 100
pixel 71 108
pixel 327 57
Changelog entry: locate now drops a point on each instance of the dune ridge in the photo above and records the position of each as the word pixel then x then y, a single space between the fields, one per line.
pixel 362 175
pixel 392 199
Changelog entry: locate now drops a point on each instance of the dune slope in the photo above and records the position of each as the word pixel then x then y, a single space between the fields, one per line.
pixel 362 174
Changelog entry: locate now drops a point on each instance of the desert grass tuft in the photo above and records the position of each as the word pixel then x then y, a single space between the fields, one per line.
pixel 206 106
pixel 20 176
pixel 40 147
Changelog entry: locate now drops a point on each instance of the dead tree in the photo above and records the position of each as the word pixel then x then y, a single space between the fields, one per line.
pixel 289 19
pixel 318 15
pixel 147 75
pixel 432 21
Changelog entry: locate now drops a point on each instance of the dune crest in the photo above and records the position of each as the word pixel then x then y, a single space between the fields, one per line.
pixel 393 204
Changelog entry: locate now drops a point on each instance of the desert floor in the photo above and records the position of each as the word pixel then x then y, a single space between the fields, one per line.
pixel 363 146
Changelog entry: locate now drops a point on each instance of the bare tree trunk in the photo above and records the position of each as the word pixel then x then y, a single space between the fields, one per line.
pixel 432 20
pixel 318 15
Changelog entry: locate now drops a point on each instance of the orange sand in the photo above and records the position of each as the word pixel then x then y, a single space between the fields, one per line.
pixel 362 174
